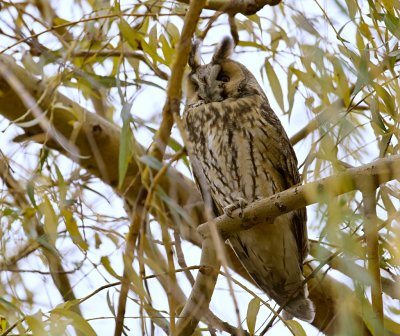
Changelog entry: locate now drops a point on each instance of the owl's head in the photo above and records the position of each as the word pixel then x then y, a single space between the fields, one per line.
pixel 219 80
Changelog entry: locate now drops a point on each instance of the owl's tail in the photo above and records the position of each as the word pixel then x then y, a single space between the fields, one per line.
pixel 299 307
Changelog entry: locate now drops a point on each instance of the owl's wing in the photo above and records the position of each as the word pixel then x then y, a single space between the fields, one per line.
pixel 283 158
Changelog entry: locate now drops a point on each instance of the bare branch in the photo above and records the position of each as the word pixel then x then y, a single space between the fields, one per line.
pixel 200 296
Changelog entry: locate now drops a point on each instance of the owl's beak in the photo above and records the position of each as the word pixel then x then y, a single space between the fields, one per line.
pixel 212 89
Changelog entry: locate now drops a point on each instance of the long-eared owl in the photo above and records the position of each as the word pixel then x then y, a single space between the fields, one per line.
pixel 240 153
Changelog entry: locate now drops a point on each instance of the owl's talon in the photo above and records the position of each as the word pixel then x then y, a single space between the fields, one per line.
pixel 240 204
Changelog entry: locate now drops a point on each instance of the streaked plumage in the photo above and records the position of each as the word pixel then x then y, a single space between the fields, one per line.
pixel 241 153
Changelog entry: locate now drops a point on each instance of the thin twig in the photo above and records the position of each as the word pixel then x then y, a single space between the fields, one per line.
pixel 181 257
pixel 372 241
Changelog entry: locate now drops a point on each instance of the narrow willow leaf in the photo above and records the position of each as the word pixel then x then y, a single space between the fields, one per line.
pixel 107 265
pixel 33 67
pixel 30 190
pixel 275 85
pixel 131 36
pixel 125 143
pixel 77 321
pixel 107 82
pixel 377 120
pixel 50 219
pixel 392 326
pixel 308 79
pixel 363 75
pixel 62 186
pixel 292 89
pixel 305 24
pixel 151 162
pixel 388 100
pixel 68 304
pixel 341 79
pixel 152 52
pixel 393 24
pixel 3 323
pixel 352 8
pixel 153 37
pixel 388 4
pixel 167 50
pixel 252 312
pixel 173 33
pixel 295 327
pixel 36 324
pixel 72 228
pixel 256 19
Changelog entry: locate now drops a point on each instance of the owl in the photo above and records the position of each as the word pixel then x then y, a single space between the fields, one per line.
pixel 240 153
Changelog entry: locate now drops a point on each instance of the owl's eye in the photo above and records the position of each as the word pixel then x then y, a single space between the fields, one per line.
pixel 223 77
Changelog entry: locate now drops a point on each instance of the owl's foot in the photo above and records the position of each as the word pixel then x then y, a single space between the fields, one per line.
pixel 240 204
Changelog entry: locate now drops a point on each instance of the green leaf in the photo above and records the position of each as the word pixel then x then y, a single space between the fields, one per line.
pixel 305 23
pixel 151 162
pixel 363 75
pixel 295 327
pixel 107 82
pixel 77 321
pixel 152 52
pixel 388 100
pixel 62 186
pixel 392 326
pixel 376 116
pixel 393 24
pixel 3 324
pixel 252 312
pixel 125 143
pixel 107 265
pixel 275 85
pixel 50 219
pixel 130 35
pixel 256 19
pixel 341 79
pixel 72 228
pixel 167 50
pixel 30 190
pixel 153 37
pixel 36 68
pixel 173 33
pixel 292 89
pixel 36 324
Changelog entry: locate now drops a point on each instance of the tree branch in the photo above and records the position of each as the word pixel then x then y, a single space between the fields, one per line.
pixel 245 7
pixel 263 211
pixel 200 296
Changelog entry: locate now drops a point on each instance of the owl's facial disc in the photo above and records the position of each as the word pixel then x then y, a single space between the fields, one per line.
pixel 210 86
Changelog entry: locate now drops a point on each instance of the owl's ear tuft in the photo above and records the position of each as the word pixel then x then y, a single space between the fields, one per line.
pixel 194 56
pixel 224 50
